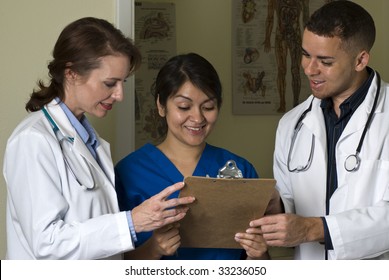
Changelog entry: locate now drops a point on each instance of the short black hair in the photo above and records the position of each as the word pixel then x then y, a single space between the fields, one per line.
pixel 346 20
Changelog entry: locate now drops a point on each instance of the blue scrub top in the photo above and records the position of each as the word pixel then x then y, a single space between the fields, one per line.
pixel 147 171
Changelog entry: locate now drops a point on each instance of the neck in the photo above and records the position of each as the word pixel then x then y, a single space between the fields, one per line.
pixel 184 157
pixel 340 98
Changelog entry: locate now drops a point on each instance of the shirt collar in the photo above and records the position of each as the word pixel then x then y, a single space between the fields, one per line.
pixel 82 127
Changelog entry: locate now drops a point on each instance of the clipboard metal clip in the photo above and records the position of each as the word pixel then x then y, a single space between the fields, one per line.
pixel 230 171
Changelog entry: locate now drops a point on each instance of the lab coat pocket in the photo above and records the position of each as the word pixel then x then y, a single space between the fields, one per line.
pixel 386 173
pixel 370 184
pixel 386 194
pixel 380 178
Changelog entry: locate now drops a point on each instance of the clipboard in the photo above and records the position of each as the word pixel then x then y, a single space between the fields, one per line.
pixel 223 207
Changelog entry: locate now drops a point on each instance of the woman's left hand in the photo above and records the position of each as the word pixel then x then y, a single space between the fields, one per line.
pixel 253 243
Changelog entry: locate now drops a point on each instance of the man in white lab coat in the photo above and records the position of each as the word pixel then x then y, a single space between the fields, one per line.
pixel 331 160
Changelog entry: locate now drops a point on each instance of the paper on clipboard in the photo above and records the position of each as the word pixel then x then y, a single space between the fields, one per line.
pixel 223 207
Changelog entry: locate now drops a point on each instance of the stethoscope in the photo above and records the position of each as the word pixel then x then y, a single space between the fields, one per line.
pixel 353 161
pixel 66 143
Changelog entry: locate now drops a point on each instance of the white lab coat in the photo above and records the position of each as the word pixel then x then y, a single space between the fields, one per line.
pixel 359 209
pixel 49 216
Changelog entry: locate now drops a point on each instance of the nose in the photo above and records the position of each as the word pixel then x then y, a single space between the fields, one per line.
pixel 197 115
pixel 310 66
pixel 118 92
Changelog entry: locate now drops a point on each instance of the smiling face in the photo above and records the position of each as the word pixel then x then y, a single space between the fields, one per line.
pixel 96 93
pixel 190 116
pixel 332 71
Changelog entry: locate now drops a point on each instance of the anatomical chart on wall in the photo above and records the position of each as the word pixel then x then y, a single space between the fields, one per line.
pixel 267 77
pixel 155 35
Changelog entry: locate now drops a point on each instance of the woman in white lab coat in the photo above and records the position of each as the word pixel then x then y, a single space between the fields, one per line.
pixel 59 173
pixel 349 217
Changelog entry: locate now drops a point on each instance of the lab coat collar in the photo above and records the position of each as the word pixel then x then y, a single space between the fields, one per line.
pixel 103 151
pixel 360 116
pixel 314 119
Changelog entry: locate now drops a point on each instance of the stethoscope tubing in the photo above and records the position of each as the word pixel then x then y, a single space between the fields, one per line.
pixel 355 157
pixel 296 130
pixel 62 138
pixel 353 161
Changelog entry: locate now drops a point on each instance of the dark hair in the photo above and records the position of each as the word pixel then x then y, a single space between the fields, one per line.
pixel 79 48
pixel 346 20
pixel 187 67
pixel 180 69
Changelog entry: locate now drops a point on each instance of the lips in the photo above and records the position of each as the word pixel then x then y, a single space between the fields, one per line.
pixel 195 130
pixel 106 106
pixel 315 85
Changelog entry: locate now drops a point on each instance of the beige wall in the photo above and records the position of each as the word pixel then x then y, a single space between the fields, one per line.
pixel 28 32
pixel 203 26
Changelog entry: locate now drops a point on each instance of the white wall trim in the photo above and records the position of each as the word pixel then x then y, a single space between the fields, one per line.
pixel 125 110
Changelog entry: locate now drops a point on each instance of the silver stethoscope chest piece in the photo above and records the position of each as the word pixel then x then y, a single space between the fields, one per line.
pixel 352 163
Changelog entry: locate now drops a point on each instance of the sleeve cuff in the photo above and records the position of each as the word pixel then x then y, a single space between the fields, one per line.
pixel 327 237
pixel 131 226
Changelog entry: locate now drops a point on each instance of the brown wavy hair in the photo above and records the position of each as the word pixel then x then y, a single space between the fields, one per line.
pixel 79 48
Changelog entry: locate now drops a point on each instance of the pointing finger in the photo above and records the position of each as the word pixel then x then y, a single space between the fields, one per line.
pixel 169 190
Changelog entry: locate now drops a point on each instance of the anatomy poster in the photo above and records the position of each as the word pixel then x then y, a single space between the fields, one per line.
pixel 266 55
pixel 155 35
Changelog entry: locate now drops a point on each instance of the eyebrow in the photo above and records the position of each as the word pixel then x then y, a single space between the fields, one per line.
pixel 189 99
pixel 319 56
pixel 116 79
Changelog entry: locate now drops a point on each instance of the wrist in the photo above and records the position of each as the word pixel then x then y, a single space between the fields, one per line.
pixel 315 230
pixel 152 247
pixel 264 256
pixel 137 226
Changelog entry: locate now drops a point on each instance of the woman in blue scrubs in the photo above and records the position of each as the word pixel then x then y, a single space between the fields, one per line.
pixel 188 95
